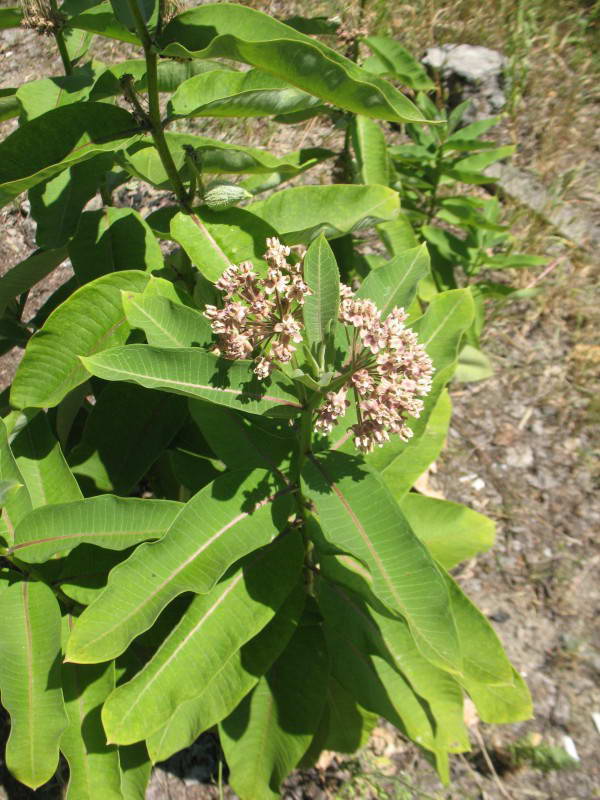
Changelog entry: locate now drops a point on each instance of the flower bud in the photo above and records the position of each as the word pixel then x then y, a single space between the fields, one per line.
pixel 224 195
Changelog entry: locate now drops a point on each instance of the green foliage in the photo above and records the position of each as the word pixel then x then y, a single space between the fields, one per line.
pixel 188 540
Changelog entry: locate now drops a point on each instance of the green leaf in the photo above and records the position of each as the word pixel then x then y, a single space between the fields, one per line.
pixel 301 213
pixel 348 725
pixel 10 17
pixel 514 261
pixel 390 58
pixel 230 682
pixel 114 523
pixel 93 765
pixel 39 96
pixel 229 93
pixel 501 703
pixel 56 204
pixel 192 372
pixel 473 365
pixel 115 451
pixel 148 9
pixel 397 235
pixel 470 169
pixel 210 633
pixel 395 283
pixel 30 680
pixel 371 151
pixel 17 502
pixel 243 34
pixel 90 320
pixel 9 105
pixel 77 43
pixel 268 733
pixel 101 19
pixel 400 465
pixel 470 132
pixel 41 463
pixel 306 158
pixel 359 516
pixel 110 240
pixel 165 323
pixel 59 139
pixel 322 276
pixel 220 524
pixel 27 273
pixel 136 768
pixel 450 531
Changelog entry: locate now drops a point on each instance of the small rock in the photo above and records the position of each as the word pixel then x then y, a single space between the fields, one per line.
pixel 520 456
pixel 561 712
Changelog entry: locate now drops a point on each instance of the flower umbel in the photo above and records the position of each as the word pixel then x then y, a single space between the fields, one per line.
pixel 261 315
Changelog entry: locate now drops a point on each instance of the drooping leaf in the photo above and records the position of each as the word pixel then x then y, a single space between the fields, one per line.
pixel 84 572
pixel 110 240
pixel 301 213
pixel 27 273
pixel 371 151
pixel 359 516
pixel 390 58
pixel 322 276
pixel 501 703
pixel 147 9
pixel 229 93
pixel 101 19
pixel 166 323
pixel 473 365
pixel 395 283
pixel 268 733
pixel 93 765
pixel 59 139
pixel 114 523
pixel 450 531
pixel 230 682
pixel 208 636
pixel 244 34
pixel 195 373
pixel 91 319
pixel 30 680
pixel 220 524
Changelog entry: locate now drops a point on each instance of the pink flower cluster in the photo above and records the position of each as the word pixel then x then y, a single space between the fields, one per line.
pixel 260 312
pixel 389 373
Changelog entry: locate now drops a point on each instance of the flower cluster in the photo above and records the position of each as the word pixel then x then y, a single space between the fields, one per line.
pixel 389 373
pixel 260 312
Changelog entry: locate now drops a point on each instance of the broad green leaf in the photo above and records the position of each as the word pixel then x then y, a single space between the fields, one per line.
pixel 90 320
pixel 148 10
pixel 30 680
pixel 395 283
pixel 9 105
pixel 229 93
pixel 84 572
pixel 210 634
pixel 450 531
pixel 400 465
pixel 27 273
pixel 136 769
pixel 243 34
pixel 269 732
pixel 10 17
pixel 110 240
pixel 193 372
pixel 322 276
pixel 101 19
pixel 93 765
pixel 115 451
pixel 348 725
pixel 359 516
pixel 242 441
pixel 301 213
pixel 166 323
pixel 470 169
pixel 473 365
pixel 220 524
pixel 397 235
pixel 501 703
pixel 77 43
pixel 471 132
pixel 371 151
pixel 390 58
pixel 58 139
pixel 17 502
pixel 230 682
pixel 41 462
pixel 56 204
pixel 307 158
pixel 39 96
pixel 114 523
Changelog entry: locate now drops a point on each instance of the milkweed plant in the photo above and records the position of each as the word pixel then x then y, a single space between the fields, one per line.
pixel 209 448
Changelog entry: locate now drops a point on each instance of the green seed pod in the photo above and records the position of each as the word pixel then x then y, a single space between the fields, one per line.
pixel 224 195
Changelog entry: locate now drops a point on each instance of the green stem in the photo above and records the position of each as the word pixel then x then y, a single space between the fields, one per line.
pixel 60 41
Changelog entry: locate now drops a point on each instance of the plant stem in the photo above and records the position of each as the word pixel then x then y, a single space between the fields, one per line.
pixel 60 41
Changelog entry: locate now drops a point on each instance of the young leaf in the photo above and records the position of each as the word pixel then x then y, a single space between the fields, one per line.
pixel 371 151
pixel 115 523
pixel 243 34
pixel 222 523
pixel 229 93
pixel 166 323
pixel 30 680
pixel 323 279
pixel 113 239
pixel 359 516
pixel 58 139
pixel 267 734
pixel 91 319
pixel 395 283
pixel 301 213
pixel 194 373
pixel 27 273
pixel 208 636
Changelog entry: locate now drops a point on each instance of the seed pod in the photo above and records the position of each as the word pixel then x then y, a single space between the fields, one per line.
pixel 224 195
